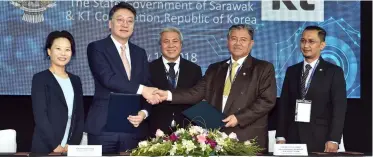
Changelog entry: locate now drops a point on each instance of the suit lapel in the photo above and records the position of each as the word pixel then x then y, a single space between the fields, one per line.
pixel 316 78
pixel 134 61
pixel 183 74
pixel 75 88
pixel 299 77
pixel 161 76
pixel 114 56
pixel 242 78
pixel 219 85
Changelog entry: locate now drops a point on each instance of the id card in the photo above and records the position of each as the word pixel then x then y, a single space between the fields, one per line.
pixel 303 111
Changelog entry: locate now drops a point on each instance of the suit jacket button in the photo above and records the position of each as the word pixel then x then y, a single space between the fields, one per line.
pixel 241 93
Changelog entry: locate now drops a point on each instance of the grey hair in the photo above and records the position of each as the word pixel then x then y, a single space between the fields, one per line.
pixel 242 26
pixel 171 29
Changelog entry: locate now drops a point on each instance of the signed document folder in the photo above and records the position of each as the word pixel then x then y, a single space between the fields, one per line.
pixel 120 107
pixel 205 115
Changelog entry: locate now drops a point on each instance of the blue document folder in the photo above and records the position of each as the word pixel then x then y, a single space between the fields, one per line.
pixel 205 115
pixel 120 107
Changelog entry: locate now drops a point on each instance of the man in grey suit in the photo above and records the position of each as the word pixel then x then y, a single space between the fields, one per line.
pixel 242 87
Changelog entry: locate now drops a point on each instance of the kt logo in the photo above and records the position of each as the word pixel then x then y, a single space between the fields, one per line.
pixel 289 4
pixel 293 10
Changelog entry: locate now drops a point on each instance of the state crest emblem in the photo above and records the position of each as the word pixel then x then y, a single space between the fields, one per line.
pixel 33 10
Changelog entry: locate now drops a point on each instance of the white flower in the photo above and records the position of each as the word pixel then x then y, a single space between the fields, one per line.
pixel 180 131
pixel 173 149
pixel 188 144
pixel 194 130
pixel 247 142
pixel 218 148
pixel 233 135
pixel 159 133
pixel 143 144
pixel 221 142
pixel 200 129
pixel 224 135
pixel 203 146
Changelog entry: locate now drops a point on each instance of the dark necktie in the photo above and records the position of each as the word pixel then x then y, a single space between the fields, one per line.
pixel 303 81
pixel 172 75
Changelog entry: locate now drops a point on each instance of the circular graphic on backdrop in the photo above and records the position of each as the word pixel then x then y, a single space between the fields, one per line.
pixel 340 53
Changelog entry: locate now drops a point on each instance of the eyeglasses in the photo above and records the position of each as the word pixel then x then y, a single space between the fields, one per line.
pixel 310 42
pixel 122 21
pixel 241 40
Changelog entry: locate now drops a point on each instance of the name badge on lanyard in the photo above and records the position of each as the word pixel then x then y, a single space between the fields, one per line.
pixel 302 106
pixel 303 111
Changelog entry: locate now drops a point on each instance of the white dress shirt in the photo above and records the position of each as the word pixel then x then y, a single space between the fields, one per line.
pixel 118 46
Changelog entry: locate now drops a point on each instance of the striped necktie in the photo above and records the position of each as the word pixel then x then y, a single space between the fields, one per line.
pixel 303 81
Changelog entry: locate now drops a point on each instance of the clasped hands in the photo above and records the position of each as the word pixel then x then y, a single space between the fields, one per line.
pixel 154 95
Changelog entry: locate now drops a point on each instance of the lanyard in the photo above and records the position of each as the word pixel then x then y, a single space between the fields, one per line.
pixel 309 82
pixel 168 74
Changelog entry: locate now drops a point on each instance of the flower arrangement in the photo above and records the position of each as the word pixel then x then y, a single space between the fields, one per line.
pixel 196 141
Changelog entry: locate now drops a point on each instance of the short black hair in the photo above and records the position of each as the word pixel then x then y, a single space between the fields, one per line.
pixel 242 26
pixel 59 34
pixel 320 31
pixel 122 5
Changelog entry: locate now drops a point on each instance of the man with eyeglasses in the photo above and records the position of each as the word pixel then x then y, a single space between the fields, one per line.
pixel 313 100
pixel 242 87
pixel 118 66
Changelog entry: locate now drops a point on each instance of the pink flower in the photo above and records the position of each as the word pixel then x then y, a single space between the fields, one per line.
pixel 201 138
pixel 173 137
pixel 159 133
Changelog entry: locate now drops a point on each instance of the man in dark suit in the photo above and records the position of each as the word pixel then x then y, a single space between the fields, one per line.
pixel 117 66
pixel 171 72
pixel 323 85
pixel 242 87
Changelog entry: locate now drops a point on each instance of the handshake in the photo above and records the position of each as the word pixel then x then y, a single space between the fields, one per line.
pixel 154 95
